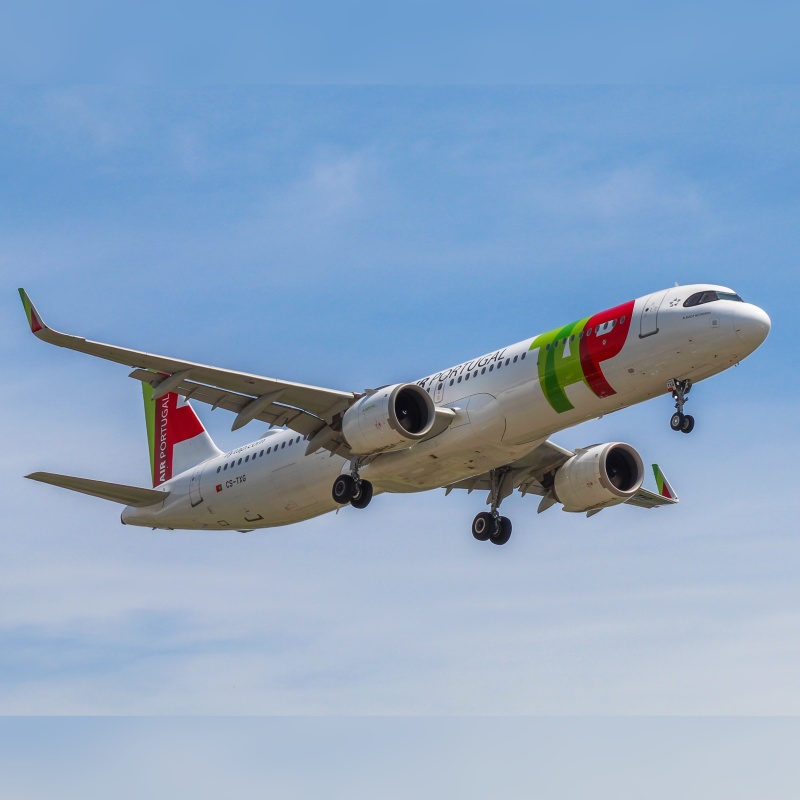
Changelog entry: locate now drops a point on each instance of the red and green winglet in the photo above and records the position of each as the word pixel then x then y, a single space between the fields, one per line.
pixel 34 320
pixel 664 489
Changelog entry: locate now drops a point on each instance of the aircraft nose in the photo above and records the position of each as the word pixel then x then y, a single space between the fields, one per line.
pixel 751 324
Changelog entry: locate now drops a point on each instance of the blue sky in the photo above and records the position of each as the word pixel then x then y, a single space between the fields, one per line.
pixel 428 758
pixel 350 237
pixel 472 41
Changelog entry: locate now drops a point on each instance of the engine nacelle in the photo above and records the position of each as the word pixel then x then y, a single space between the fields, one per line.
pixel 391 418
pixel 599 476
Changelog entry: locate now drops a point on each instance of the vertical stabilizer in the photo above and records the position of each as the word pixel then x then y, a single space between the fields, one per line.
pixel 178 441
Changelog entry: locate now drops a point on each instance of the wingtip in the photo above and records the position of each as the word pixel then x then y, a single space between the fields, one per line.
pixel 664 487
pixel 34 320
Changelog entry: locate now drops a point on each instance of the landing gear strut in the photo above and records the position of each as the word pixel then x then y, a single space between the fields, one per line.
pixel 352 489
pixel 680 421
pixel 490 526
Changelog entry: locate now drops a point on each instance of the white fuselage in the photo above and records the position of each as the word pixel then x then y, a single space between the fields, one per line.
pixel 506 403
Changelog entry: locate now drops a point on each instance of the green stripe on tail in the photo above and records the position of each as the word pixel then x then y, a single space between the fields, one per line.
pixel 150 421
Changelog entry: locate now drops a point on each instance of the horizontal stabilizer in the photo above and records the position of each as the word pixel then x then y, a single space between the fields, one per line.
pixel 116 492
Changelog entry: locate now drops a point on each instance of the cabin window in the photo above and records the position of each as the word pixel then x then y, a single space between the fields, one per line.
pixel 283 444
pixel 483 370
pixel 240 461
pixel 261 454
pixel 622 320
pixel 459 379
pixel 515 359
pixel 225 467
pixel 491 368
pixel 467 376
pixel 522 356
pixel 452 381
pixel 298 439
pixel 508 361
pixel 219 468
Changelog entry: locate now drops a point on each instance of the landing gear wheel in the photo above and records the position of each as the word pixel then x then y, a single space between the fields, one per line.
pixel 482 526
pixel 677 421
pixel 503 531
pixel 680 389
pixel 362 495
pixel 344 488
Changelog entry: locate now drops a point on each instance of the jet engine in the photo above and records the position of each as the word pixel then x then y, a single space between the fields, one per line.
pixel 391 418
pixel 599 476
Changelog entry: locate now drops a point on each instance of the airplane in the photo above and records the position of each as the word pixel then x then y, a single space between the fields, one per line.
pixel 484 424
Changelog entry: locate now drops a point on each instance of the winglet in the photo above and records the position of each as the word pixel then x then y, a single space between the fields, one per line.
pixel 34 320
pixel 664 488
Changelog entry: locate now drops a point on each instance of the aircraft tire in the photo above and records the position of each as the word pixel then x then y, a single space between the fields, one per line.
pixel 362 495
pixel 504 533
pixel 687 426
pixel 344 488
pixel 482 525
pixel 676 421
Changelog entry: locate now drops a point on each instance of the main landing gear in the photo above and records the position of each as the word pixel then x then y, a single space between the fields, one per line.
pixel 352 489
pixel 680 421
pixel 490 526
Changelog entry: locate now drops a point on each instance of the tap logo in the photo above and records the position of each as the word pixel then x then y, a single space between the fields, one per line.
pixel 574 353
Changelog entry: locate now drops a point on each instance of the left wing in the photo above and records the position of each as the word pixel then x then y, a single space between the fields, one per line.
pixel 532 474
pixel 310 410
pixel 526 474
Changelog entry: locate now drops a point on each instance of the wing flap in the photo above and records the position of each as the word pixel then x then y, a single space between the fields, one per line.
pixel 115 492
pixel 275 413
pixel 527 473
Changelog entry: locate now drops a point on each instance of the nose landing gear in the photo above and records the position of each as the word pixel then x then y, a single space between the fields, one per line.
pixel 490 526
pixel 680 421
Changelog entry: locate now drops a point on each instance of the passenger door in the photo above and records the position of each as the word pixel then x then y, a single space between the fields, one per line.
pixel 648 325
pixel 195 496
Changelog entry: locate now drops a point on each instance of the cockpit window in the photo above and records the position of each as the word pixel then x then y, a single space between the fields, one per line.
pixel 699 298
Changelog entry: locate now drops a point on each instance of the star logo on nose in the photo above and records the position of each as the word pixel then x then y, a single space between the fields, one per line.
pixel 673 303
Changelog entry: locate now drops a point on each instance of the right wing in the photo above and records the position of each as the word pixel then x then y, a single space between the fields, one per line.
pixel 310 410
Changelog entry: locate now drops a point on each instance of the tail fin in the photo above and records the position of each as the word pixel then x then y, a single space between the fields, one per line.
pixel 178 441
